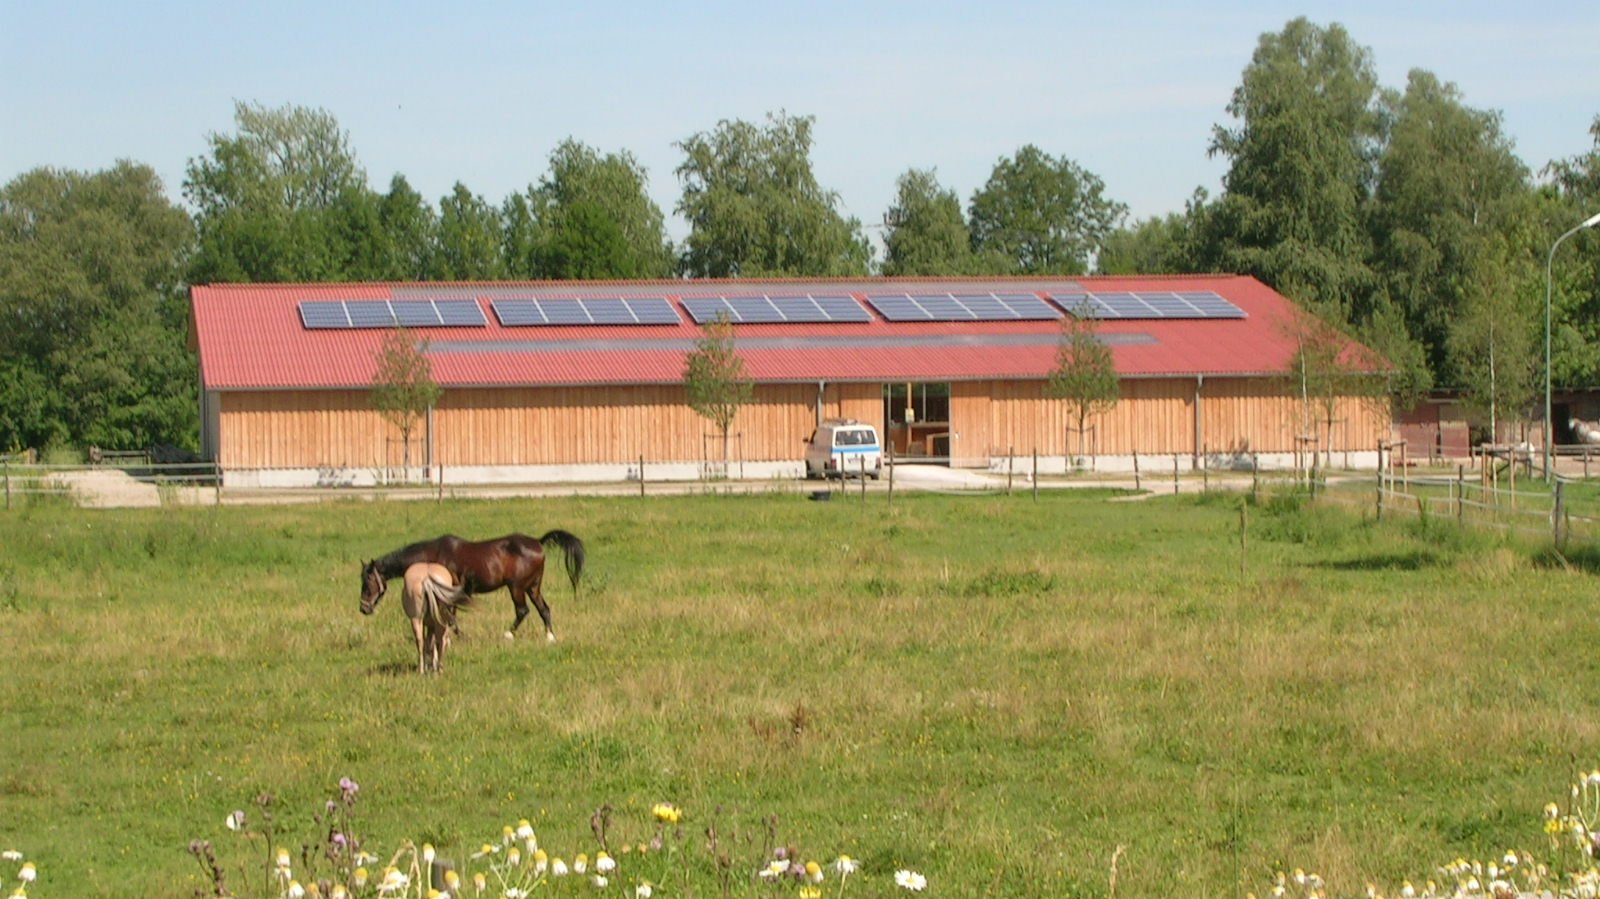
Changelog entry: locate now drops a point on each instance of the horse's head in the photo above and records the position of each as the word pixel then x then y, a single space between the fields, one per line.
pixel 373 585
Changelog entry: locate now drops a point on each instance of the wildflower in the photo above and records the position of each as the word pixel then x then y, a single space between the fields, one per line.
pixel 515 893
pixel 1407 891
pixel 600 881
pixel 283 859
pixel 541 862
pixel 338 892
pixel 28 873
pixel 480 882
pixel 558 868
pixel 643 891
pixel 604 863
pixel 911 880
pixel 486 850
pixel 507 834
pixel 295 891
pixel 1551 810
pixel 365 858
pixel 235 820
pixel 1510 859
pixel 846 865
pixel 428 855
pixel 813 872
pixel 810 893
pixel 437 894
pixel 348 789
pixel 11 855
pixel 667 813
pixel 360 877
pixel 452 881
pixel 513 856
pixel 774 868
pixel 393 882
pixel 524 829
pixel 581 863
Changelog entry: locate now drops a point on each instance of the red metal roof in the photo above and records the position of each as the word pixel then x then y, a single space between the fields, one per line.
pixel 250 337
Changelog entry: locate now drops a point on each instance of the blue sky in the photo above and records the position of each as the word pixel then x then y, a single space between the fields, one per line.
pixel 481 92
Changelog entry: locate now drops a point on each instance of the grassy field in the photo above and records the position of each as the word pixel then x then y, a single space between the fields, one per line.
pixel 1077 696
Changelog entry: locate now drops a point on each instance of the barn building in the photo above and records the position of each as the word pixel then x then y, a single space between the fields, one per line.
pixel 583 381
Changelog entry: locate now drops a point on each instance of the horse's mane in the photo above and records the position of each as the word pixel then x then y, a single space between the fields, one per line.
pixel 395 564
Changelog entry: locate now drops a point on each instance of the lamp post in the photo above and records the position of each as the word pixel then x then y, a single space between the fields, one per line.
pixel 1549 265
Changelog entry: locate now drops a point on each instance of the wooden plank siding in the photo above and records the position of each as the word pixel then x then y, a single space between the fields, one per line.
pixel 1153 416
pixel 526 426
pixel 578 425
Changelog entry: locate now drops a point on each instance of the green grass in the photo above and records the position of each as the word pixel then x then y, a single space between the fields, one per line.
pixel 996 692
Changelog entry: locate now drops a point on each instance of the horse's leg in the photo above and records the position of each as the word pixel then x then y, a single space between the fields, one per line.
pixel 544 610
pixel 521 603
pixel 422 645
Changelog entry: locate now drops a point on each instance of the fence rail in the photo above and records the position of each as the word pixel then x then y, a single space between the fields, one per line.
pixel 119 477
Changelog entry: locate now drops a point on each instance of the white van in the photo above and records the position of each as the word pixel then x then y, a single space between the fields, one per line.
pixel 844 448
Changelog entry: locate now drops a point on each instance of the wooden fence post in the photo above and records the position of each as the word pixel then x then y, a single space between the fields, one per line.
pixel 890 449
pixel 641 474
pixel 1461 493
pixel 1136 485
pixel 1379 513
pixel 1011 466
pixel 1205 472
pixel 1174 473
pixel 8 484
pixel 1558 514
pixel 1036 474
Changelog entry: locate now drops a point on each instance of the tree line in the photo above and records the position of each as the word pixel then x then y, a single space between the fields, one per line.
pixel 1400 215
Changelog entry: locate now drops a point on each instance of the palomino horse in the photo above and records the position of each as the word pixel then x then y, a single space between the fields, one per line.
pixel 431 601
pixel 515 562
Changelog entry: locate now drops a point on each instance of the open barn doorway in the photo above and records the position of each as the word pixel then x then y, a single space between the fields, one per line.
pixel 917 415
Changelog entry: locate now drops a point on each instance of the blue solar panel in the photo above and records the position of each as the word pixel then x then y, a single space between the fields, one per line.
pixel 414 313
pixel 460 313
pixel 842 309
pixel 1149 305
pixel 946 307
pixel 319 315
pixel 369 313
pixel 783 309
pixel 653 311
pixel 898 307
pixel 518 312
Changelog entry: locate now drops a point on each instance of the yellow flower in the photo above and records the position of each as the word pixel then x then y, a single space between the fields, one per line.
pixel 360 877
pixel 428 854
pixel 581 863
pixel 810 893
pixel 524 828
pixel 813 872
pixel 28 873
pixel 339 892
pixel 480 882
pixel 667 813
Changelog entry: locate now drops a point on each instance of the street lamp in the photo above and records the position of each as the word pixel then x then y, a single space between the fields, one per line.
pixel 1549 264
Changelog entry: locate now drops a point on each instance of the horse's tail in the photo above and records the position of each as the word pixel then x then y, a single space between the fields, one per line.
pixel 440 602
pixel 573 548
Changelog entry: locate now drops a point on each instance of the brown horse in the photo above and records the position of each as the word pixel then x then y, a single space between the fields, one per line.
pixel 431 601
pixel 515 562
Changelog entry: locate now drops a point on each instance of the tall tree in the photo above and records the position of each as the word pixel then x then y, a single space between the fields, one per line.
pixel 1085 375
pixel 596 218
pixel 470 238
pixel 1496 339
pixel 1575 268
pixel 410 231
pixel 269 199
pixel 93 318
pixel 755 208
pixel 1154 246
pixel 715 379
pixel 1449 188
pixel 1300 166
pixel 403 389
pixel 1045 215
pixel 925 233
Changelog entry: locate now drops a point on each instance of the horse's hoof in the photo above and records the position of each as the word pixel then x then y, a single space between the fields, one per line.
pixel 510 636
pixel 549 637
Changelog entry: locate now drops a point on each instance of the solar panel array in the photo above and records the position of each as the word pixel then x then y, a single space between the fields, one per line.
pixel 520 311
pixel 952 307
pixel 1149 304
pixel 345 314
pixel 766 309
